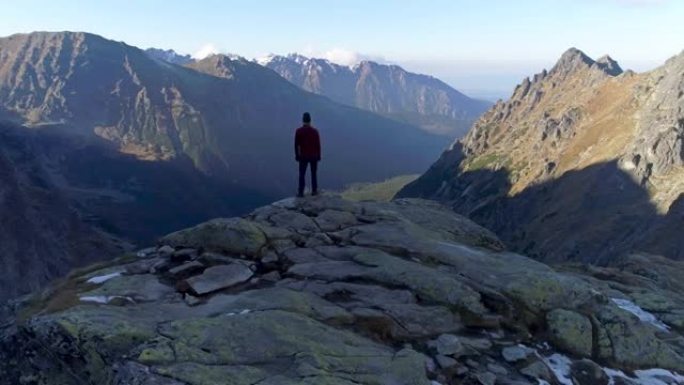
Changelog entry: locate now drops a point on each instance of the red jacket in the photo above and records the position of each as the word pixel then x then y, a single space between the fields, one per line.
pixel 307 144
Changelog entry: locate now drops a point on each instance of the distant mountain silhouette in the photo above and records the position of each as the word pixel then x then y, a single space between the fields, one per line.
pixel 583 163
pixel 385 89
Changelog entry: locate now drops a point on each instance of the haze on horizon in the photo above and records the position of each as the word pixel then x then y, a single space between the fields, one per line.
pixel 481 47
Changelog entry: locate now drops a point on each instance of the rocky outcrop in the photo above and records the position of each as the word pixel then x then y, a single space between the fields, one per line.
pixel 323 290
pixel 583 162
pixel 385 89
pixel 658 148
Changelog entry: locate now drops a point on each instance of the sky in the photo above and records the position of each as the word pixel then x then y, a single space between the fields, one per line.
pixel 482 47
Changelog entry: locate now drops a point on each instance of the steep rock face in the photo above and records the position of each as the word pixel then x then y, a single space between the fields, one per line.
pixel 229 127
pixel 384 89
pixel 322 290
pixel 582 163
pixel 658 149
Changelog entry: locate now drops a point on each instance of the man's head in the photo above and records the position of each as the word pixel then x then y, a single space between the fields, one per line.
pixel 306 118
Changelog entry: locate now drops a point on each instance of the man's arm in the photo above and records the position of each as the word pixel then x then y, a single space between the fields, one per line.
pixel 318 145
pixel 296 145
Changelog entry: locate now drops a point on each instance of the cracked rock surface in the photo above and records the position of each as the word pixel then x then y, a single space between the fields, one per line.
pixel 326 291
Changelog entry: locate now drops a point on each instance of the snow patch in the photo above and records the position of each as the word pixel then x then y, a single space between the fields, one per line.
pixel 104 278
pixel 205 51
pixel 242 312
pixel 266 60
pixel 560 366
pixel 103 299
pixel 647 377
pixel 642 314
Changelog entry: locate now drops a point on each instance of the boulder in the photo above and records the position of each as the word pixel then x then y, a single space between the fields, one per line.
pixel 132 288
pixel 571 332
pixel 334 220
pixel 234 235
pixel 516 353
pixel 446 363
pixel 219 277
pixel 448 345
pixel 634 343
pixel 187 269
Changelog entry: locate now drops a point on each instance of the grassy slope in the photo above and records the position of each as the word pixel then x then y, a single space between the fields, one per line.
pixel 381 191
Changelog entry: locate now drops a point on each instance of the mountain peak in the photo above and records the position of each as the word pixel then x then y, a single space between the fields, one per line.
pixel 608 65
pixel 274 58
pixel 572 60
pixel 297 58
pixel 573 53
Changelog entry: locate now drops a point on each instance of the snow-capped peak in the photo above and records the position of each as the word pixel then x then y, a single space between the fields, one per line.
pixel 266 60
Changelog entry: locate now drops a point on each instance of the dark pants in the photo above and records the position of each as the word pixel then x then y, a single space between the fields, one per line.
pixel 302 175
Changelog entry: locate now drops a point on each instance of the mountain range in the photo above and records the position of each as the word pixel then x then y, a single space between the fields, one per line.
pixel 388 90
pixel 583 163
pixel 135 146
pixel 384 89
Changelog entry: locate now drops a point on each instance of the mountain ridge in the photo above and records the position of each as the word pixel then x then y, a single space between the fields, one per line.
pixel 580 139
pixel 383 88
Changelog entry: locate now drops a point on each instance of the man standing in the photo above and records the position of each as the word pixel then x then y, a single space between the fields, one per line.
pixel 307 152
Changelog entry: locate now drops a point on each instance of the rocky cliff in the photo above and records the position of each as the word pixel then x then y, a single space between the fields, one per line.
pixel 326 291
pixel 583 163
pixel 385 89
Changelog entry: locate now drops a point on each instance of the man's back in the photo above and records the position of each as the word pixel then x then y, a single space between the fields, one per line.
pixel 307 144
